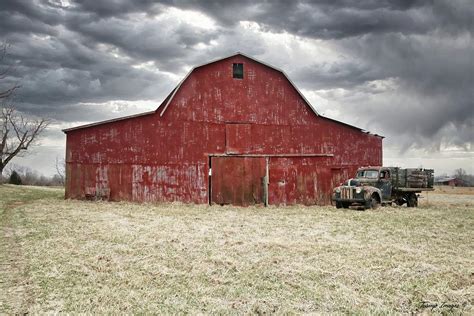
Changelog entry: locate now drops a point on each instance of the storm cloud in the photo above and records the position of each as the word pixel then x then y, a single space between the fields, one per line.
pixel 403 69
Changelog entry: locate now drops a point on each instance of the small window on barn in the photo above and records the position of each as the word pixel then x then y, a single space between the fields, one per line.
pixel 238 71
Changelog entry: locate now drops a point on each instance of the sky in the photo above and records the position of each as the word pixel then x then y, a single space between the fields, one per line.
pixel 402 69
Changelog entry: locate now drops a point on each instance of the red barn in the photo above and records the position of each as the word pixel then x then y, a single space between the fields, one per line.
pixel 234 131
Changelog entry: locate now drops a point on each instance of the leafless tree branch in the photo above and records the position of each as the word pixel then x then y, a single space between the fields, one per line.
pixel 61 169
pixel 18 133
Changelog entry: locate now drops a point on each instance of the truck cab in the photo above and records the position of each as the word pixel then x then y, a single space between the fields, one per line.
pixel 378 178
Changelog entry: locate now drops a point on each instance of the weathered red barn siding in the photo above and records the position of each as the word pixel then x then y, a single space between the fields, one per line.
pixel 238 180
pixel 166 157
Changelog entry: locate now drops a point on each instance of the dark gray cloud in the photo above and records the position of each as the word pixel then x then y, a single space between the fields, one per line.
pixel 70 58
pixel 434 84
pixel 166 42
pixel 341 74
pixel 58 73
pixel 105 9
pixel 340 19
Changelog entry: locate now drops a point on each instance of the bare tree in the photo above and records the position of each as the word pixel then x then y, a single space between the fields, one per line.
pixel 60 170
pixel 17 134
pixel 460 173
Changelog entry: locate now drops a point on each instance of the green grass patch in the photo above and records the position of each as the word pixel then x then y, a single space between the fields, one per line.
pixel 15 195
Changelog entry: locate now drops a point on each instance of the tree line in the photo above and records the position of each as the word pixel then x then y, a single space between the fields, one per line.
pixel 21 175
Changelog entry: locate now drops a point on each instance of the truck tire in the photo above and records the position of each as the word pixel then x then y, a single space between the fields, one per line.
pixel 412 200
pixel 338 204
pixel 399 201
pixel 373 202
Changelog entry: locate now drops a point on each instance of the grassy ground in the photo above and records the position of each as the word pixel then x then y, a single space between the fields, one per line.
pixel 72 256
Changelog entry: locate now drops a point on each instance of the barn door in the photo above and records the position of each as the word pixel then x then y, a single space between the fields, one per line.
pixel 238 180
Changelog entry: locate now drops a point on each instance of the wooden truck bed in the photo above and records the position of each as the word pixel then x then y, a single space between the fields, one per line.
pixel 412 179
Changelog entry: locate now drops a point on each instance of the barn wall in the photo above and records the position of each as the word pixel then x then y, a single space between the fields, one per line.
pixel 153 158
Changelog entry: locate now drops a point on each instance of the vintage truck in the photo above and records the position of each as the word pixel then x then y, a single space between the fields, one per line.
pixel 374 186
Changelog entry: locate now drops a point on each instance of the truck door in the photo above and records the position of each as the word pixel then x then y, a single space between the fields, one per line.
pixel 385 184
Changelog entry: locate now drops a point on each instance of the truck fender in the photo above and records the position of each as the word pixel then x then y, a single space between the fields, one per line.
pixel 369 191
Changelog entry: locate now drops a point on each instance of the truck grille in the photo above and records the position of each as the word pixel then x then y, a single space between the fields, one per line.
pixel 346 193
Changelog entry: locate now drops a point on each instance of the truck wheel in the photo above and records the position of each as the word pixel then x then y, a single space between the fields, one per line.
pixel 338 204
pixel 373 202
pixel 412 200
pixel 399 202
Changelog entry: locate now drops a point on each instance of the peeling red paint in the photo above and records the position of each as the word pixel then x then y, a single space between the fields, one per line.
pixel 166 158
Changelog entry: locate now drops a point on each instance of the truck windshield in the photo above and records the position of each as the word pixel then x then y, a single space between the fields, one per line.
pixel 368 174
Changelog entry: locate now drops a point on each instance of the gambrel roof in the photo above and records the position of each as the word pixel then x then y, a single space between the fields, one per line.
pixel 166 102
pixel 246 56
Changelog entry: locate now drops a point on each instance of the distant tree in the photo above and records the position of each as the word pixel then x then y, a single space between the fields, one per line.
pixel 460 173
pixel 29 176
pixel 60 171
pixel 56 180
pixel 469 180
pixel 15 178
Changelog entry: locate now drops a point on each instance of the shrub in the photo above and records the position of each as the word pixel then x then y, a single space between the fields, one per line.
pixel 15 178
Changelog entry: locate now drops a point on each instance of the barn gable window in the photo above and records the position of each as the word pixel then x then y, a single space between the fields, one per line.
pixel 238 71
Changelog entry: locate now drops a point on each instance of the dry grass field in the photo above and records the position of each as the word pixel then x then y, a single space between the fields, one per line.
pixel 97 257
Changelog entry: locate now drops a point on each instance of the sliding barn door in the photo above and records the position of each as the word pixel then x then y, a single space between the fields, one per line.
pixel 237 180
